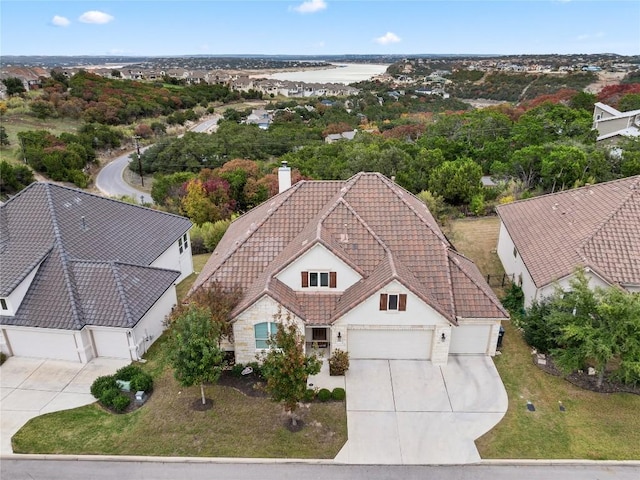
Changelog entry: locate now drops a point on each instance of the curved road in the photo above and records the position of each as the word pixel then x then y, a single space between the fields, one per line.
pixel 110 179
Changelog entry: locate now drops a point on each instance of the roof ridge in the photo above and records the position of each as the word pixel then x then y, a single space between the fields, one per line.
pixel 479 287
pixel 64 261
pixel 251 231
pixel 121 293
pixel 393 187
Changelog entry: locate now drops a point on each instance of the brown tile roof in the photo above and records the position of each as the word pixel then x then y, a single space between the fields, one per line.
pixel 596 226
pixel 93 255
pixel 381 230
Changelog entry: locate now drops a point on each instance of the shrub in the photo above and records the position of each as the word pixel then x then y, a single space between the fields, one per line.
pixel 3 358
pixel 127 373
pixel 120 402
pixel 257 368
pixel 309 395
pixel 514 300
pixel 108 396
pixel 142 382
pixel 324 395
pixel 338 362
pixel 539 330
pixel 102 384
pixel 338 394
pixel 236 370
pixel 477 204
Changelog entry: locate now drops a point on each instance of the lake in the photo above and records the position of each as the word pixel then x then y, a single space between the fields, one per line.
pixel 343 73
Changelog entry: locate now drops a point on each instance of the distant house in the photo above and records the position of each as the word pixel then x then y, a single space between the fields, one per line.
pixel 543 240
pixel 360 265
pixel 262 118
pixel 334 137
pixel 83 276
pixel 612 124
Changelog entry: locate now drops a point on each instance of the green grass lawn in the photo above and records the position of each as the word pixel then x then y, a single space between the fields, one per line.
pixel 594 425
pixel 198 263
pixel 168 425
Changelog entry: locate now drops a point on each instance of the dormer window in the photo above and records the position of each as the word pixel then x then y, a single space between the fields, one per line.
pixel 3 305
pixel 319 279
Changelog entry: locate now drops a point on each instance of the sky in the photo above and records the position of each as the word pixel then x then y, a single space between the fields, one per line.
pixel 318 27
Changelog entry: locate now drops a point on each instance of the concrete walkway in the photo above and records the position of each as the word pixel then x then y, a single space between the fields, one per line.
pixel 412 412
pixel 30 387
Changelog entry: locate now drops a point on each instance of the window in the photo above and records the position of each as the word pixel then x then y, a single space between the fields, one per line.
pixel 393 301
pixel 184 241
pixel 319 279
pixel 263 332
pixel 180 245
pixel 319 334
pixel 3 304
pixel 515 252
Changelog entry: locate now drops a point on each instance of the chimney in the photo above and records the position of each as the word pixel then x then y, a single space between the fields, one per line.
pixel 284 177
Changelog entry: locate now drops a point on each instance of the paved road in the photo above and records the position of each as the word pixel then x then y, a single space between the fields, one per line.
pixel 197 469
pixel 110 181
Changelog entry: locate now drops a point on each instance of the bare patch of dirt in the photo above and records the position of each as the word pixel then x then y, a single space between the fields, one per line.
pixel 251 385
pixel 198 406
pixel 585 381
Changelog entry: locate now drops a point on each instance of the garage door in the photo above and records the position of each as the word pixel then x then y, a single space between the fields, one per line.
pixel 42 344
pixel 395 344
pixel 471 339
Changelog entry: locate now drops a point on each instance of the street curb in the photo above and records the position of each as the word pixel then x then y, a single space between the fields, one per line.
pixel 239 460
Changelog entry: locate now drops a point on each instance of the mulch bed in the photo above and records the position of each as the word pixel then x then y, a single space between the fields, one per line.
pixel 585 381
pixel 251 385
pixel 198 406
pixel 133 405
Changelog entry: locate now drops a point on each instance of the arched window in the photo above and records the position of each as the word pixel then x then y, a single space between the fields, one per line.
pixel 263 332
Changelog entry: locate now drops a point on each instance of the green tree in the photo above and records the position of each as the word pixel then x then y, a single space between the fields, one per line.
pixel 628 102
pixel 456 181
pixel 286 366
pixel 14 86
pixel 597 325
pixel 194 348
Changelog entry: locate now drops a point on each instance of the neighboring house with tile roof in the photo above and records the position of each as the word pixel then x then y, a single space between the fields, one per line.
pixel 612 124
pixel 360 265
pixel 83 276
pixel 543 240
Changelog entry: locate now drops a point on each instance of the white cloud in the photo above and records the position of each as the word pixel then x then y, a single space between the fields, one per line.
pixel 311 6
pixel 387 38
pixel 59 21
pixel 94 16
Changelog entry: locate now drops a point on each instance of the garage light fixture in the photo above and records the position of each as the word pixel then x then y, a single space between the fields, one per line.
pixel 443 337
pixel 339 336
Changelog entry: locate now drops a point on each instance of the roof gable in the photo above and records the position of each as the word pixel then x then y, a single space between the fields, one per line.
pixel 558 232
pixel 376 227
pixel 77 234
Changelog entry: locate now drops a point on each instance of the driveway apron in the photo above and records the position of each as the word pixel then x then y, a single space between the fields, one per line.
pixel 412 412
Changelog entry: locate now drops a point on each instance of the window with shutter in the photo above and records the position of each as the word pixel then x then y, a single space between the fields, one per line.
pixel 305 279
pixel 333 279
pixel 402 304
pixel 319 279
pixel 383 301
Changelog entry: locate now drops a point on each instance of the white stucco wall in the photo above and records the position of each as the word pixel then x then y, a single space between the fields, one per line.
pixel 418 315
pixel 318 259
pixel 514 265
pixel 45 343
pixel 565 284
pixel 172 259
pixel 151 326
pixel 264 310
pixel 17 295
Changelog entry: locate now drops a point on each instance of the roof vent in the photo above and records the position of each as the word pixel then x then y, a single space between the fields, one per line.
pixel 84 224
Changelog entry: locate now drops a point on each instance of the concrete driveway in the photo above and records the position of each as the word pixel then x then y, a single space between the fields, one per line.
pixel 30 387
pixel 412 412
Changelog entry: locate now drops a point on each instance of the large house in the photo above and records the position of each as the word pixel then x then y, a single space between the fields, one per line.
pixel 360 265
pixel 612 124
pixel 543 240
pixel 83 276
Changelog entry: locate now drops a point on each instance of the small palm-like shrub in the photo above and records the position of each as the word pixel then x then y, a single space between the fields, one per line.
pixel 338 362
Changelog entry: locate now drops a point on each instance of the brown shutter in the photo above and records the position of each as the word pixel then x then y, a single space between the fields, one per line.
pixel 333 279
pixel 305 279
pixel 403 302
pixel 383 301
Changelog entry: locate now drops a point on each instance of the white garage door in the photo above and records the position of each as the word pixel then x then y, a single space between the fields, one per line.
pixel 111 343
pixel 42 344
pixel 471 339
pixel 395 344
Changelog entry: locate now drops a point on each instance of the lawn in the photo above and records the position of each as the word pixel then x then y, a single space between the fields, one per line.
pixel 593 425
pixel 198 263
pixel 168 425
